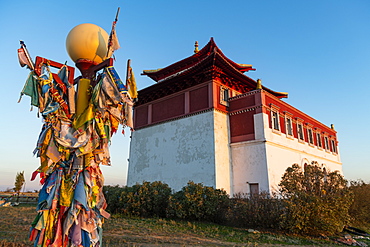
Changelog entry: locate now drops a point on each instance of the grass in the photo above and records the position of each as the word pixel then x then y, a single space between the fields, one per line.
pixel 164 232
pixel 120 231
pixel 15 225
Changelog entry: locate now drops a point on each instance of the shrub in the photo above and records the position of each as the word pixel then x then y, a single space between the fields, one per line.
pixel 255 211
pixel 112 195
pixel 145 200
pixel 316 202
pixel 199 202
pixel 360 208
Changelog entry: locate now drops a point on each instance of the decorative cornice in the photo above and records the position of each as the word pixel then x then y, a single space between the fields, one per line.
pixel 244 110
pixel 177 118
pixel 244 95
pixel 275 107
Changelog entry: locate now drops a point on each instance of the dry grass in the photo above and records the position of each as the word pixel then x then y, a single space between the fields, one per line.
pixel 16 221
pixel 15 225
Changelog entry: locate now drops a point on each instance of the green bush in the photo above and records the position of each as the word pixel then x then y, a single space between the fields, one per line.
pixel 255 211
pixel 145 200
pixel 360 208
pixel 316 202
pixel 311 202
pixel 112 195
pixel 199 202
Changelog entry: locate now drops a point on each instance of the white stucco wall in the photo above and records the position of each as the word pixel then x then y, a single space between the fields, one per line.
pixel 197 148
pixel 222 152
pixel 280 157
pixel 265 160
pixel 175 152
pixel 249 166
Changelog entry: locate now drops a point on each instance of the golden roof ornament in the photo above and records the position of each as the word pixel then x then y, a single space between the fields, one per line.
pixel 332 126
pixel 196 47
pixel 259 84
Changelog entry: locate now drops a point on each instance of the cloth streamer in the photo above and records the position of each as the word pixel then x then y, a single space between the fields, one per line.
pixel 72 145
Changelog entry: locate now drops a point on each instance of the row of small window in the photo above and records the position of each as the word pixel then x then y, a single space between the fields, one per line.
pixel 325 143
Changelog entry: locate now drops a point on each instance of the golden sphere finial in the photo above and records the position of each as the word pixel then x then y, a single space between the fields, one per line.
pixel 87 41
pixel 196 47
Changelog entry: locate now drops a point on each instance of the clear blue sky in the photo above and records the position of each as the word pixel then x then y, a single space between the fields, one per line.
pixel 317 51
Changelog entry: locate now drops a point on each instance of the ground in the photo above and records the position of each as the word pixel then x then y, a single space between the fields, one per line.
pixel 120 231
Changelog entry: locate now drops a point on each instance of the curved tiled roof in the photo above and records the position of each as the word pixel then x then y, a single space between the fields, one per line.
pixel 210 56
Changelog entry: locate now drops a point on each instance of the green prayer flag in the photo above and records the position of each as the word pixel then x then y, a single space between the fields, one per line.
pixel 30 89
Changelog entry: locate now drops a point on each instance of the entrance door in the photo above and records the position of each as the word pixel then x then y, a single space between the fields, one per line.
pixel 254 189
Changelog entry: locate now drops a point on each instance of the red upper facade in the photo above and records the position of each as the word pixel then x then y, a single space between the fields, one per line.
pixel 206 81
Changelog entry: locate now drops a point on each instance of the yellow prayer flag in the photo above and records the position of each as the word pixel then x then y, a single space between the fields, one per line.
pixel 83 95
pixel 85 117
pixel 131 84
pixel 66 192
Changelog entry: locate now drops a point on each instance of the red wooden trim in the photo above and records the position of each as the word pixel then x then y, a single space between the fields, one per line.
pixel 40 61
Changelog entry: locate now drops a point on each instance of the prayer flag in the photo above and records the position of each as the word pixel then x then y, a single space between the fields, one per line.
pixel 131 84
pixel 31 89
pixel 24 58
pixel 113 43
pixel 113 75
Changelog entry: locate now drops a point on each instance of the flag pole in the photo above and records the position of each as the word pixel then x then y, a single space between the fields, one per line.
pixel 111 32
pixel 117 14
pixel 128 72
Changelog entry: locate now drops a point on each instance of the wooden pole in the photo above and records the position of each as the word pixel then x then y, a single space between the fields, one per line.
pixel 111 32
pixel 128 72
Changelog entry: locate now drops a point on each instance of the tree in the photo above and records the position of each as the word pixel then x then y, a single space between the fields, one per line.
pixel 360 208
pixel 316 202
pixel 19 181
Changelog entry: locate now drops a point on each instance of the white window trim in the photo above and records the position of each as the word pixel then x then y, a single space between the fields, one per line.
pixel 310 130
pixel 274 110
pixel 326 143
pixel 291 127
pixel 224 101
pixel 334 147
pixel 299 123
pixel 319 140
